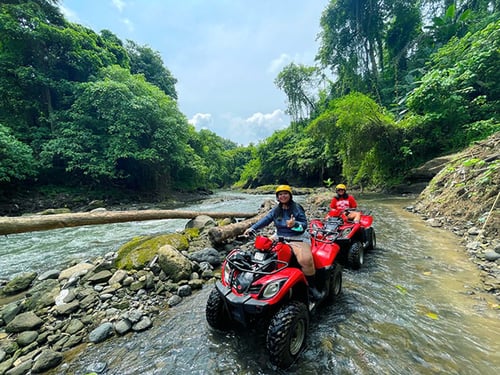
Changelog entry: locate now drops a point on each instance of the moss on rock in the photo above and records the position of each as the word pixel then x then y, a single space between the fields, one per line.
pixel 140 251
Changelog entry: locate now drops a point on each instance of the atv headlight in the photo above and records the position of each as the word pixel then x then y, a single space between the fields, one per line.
pixel 272 289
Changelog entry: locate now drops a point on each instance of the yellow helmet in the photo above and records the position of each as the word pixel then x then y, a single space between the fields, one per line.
pixel 284 188
pixel 340 186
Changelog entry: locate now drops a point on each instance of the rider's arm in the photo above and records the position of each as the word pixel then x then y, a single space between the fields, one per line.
pixel 266 220
pixel 352 202
pixel 333 203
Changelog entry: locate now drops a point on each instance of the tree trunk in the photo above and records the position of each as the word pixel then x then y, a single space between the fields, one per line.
pixel 22 224
pixel 218 235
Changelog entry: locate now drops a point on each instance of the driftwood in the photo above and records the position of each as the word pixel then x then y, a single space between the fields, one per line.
pixel 218 235
pixel 22 224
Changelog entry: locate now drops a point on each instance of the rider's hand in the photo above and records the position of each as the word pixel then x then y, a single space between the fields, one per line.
pixel 290 223
pixel 249 232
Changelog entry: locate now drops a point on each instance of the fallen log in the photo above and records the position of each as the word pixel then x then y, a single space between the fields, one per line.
pixel 22 224
pixel 218 235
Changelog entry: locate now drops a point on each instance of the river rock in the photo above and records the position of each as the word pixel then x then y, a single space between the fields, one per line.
pixel 24 322
pixel 174 300
pixel 74 326
pixel 50 274
pixel 142 324
pixel 184 291
pixel 48 359
pixel 21 369
pixel 75 271
pixel 27 337
pixel 173 263
pixel 208 254
pixel 118 277
pixel 122 326
pixel 99 277
pixel 10 311
pixel 491 256
pixel 42 295
pixel 19 283
pixel 201 222
pixel 141 251
pixel 101 333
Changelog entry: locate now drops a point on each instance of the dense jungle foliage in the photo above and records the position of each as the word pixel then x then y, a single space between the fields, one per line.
pixel 396 83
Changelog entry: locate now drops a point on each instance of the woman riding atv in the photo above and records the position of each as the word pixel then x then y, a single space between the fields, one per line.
pixel 291 222
pixel 343 201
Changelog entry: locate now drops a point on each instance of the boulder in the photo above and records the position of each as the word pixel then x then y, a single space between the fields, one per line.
pixel 141 251
pixel 19 283
pixel 173 263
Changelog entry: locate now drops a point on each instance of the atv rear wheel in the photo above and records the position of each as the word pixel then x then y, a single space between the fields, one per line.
pixel 215 312
pixel 287 333
pixel 356 255
pixel 371 239
pixel 335 286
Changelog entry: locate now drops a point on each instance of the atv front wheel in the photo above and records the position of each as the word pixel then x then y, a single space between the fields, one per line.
pixel 287 333
pixel 335 286
pixel 356 255
pixel 215 312
pixel 371 238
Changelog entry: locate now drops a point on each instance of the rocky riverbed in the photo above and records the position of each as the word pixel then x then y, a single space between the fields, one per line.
pixel 44 316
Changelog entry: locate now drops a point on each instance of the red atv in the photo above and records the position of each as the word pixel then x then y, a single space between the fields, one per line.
pixel 354 239
pixel 266 285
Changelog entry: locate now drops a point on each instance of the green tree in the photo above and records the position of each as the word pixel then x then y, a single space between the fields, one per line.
pixel 299 83
pixel 143 60
pixel 16 158
pixel 121 128
pixel 460 90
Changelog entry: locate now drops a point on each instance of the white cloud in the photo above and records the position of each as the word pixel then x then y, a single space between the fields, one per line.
pixel 119 4
pixel 254 128
pixel 277 64
pixel 201 121
pixel 128 24
pixel 69 14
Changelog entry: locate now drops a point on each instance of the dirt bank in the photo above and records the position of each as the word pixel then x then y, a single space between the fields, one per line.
pixel 464 197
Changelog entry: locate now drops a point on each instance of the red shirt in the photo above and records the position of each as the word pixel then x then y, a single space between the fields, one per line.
pixel 342 203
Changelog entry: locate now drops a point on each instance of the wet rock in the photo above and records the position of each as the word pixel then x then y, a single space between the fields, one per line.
pixel 184 291
pixel 42 295
pixel 117 277
pixel 27 337
pixel 142 324
pixel 99 277
pixel 75 271
pixel 201 222
pixel 21 369
pixel 51 274
pixel 67 308
pixel 26 321
pixel 74 326
pixel 19 283
pixel 173 263
pixel 10 311
pixel 101 333
pixel 208 254
pixel 491 256
pixel 47 360
pixel 122 326
pixel 174 300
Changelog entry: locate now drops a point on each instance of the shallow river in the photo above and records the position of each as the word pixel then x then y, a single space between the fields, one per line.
pixel 413 308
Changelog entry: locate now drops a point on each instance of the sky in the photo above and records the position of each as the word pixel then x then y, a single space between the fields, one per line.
pixel 225 54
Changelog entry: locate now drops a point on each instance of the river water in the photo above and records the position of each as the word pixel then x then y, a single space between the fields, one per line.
pixel 413 308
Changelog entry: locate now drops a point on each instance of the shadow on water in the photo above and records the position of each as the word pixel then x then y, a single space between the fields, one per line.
pixel 413 308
